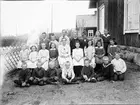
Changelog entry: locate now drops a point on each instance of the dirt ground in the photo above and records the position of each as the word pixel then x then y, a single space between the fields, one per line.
pixel 126 92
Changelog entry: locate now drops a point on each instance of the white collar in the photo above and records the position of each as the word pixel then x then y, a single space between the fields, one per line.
pixel 113 45
pixel 106 35
pixel 106 65
pixel 99 47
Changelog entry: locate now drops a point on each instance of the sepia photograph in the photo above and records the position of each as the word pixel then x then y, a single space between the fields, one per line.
pixel 69 52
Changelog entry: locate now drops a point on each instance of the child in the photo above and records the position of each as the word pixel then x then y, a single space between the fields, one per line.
pixel 119 67
pixel 39 75
pixel 89 53
pixel 24 76
pixel 99 53
pixel 43 56
pixel 53 52
pixel 23 55
pixel 78 61
pixel 112 48
pixel 52 74
pixel 106 71
pixel 67 73
pixel 33 57
pixel 106 38
pixel 88 72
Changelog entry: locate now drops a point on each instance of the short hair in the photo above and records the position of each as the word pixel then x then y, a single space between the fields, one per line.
pixel 106 58
pixel 33 46
pixel 43 32
pixel 91 42
pixel 77 42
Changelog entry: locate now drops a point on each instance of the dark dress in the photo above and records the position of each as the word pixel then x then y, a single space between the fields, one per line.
pixel 84 43
pixel 106 40
pixel 72 43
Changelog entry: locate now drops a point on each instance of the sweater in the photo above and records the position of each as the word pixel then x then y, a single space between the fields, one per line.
pixel 39 72
pixel 119 65
pixel 88 71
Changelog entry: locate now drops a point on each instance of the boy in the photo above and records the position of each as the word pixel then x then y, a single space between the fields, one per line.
pixel 119 67
pixel 24 76
pixel 52 74
pixel 68 73
pixel 88 72
pixel 39 75
pixel 106 71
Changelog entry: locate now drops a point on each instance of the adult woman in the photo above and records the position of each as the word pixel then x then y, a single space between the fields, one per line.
pixel 64 52
pixel 97 38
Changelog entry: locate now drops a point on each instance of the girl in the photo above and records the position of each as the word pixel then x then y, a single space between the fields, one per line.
pixel 97 38
pixel 78 61
pixel 90 53
pixel 33 57
pixel 99 53
pixel 53 52
pixel 112 48
pixel 64 53
pixel 43 56
pixel 23 56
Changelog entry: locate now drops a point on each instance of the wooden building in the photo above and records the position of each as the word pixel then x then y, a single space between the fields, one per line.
pixel 121 18
pixel 86 23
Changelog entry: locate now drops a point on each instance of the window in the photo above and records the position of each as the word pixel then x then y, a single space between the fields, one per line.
pixel 132 16
pixel 90 33
pixel 101 18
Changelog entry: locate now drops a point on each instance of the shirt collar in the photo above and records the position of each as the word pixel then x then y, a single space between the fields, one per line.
pixel 106 65
pixel 106 35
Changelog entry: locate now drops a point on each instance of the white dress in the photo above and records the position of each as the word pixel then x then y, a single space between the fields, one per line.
pixel 78 53
pixel 24 56
pixel 33 57
pixel 43 56
pixel 89 53
pixel 64 54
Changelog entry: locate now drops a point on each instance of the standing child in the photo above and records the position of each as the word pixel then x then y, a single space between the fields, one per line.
pixel 39 75
pixel 24 76
pixel 88 72
pixel 53 52
pixel 78 61
pixel 112 48
pixel 33 57
pixel 23 56
pixel 43 56
pixel 106 71
pixel 90 53
pixel 119 67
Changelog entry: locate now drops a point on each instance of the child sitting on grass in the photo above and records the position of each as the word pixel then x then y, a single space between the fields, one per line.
pixel 119 67
pixel 68 73
pixel 39 75
pixel 24 76
pixel 106 71
pixel 88 72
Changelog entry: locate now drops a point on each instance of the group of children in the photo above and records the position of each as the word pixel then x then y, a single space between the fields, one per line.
pixel 67 65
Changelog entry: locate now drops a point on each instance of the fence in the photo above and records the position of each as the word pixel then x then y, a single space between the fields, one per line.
pixel 9 57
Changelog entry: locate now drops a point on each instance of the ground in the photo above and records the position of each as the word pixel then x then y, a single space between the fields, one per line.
pixel 126 92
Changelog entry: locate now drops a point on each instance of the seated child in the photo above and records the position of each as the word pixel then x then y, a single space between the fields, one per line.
pixel 43 56
pixel 33 57
pixel 119 67
pixel 88 72
pixel 106 71
pixel 39 75
pixel 78 61
pixel 68 73
pixel 24 76
pixel 112 48
pixel 90 53
pixel 53 52
pixel 23 55
pixel 52 74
